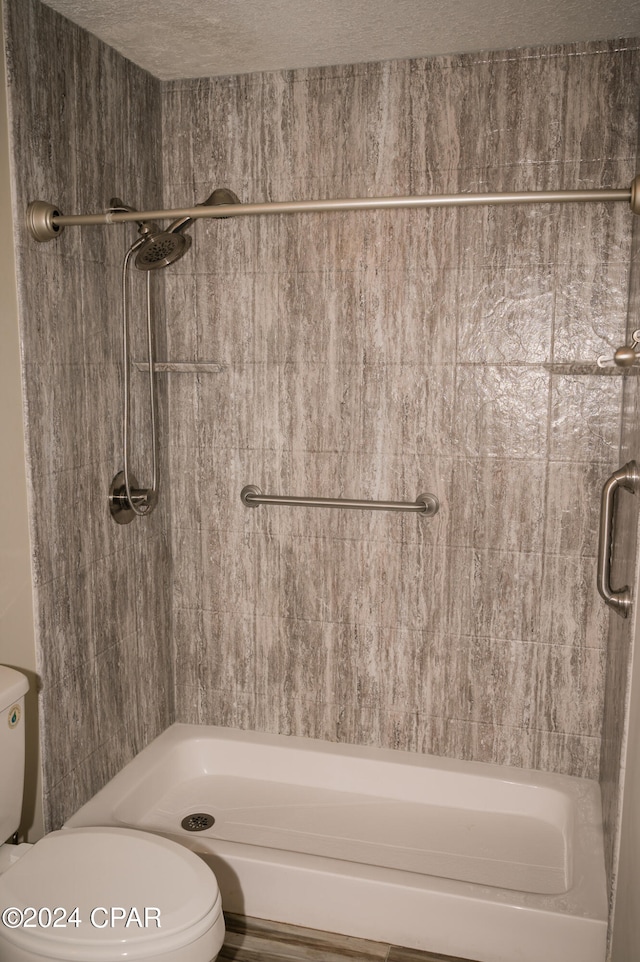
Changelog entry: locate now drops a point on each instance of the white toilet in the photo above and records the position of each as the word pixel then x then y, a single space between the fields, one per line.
pixel 95 894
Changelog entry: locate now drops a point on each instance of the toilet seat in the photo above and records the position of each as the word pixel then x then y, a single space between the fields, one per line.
pixel 112 876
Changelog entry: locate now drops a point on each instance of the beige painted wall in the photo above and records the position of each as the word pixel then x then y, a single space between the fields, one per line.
pixel 17 645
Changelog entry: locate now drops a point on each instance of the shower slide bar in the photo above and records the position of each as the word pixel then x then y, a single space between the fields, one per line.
pixel 45 221
pixel 425 504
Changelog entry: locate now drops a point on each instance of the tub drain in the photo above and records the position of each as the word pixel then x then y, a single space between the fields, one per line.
pixel 197 822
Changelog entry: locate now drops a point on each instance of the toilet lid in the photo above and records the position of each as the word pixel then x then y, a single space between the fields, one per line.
pixel 136 895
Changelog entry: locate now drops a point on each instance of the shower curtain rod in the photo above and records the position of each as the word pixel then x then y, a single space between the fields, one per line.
pixel 45 221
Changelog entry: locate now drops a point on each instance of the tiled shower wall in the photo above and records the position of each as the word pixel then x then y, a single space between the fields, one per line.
pixel 82 119
pixel 369 355
pixel 381 355
pixel 622 630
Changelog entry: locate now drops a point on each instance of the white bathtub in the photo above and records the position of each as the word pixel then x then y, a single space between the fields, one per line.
pixel 480 861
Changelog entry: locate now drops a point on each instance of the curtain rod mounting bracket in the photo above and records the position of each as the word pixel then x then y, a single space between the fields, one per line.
pixel 635 194
pixel 40 222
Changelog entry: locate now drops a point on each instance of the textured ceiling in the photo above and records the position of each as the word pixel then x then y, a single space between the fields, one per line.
pixel 175 39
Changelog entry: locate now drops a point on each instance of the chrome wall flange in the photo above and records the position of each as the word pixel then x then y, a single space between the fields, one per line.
pixel 431 504
pixel 250 489
pixel 119 504
pixel 39 220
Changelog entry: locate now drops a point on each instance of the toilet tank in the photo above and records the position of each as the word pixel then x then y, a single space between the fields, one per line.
pixel 13 687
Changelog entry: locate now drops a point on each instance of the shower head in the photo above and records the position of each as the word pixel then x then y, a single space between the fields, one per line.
pixel 161 248
pixel 157 248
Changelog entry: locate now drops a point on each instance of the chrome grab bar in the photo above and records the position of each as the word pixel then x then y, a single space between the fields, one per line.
pixel 625 477
pixel 425 504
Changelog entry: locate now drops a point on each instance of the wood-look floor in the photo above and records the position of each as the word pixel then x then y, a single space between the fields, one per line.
pixel 254 940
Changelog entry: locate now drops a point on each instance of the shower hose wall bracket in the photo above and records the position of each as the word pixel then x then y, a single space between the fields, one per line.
pixel 145 499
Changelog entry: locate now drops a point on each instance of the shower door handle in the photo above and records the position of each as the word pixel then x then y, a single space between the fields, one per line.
pixel 625 477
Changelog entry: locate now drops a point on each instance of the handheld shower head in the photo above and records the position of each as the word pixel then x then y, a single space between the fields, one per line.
pixel 161 248
pixel 156 248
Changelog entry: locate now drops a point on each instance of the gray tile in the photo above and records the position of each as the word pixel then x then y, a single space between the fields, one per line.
pixel 184 331
pixel 590 311
pixel 237 317
pixel 322 317
pixel 482 680
pixel 330 109
pixel 495 594
pixel 525 109
pixel 593 129
pixel 571 612
pixel 499 504
pixel 501 411
pixel 484 230
pixel 410 319
pixel 585 417
pixel 362 583
pixel 366 408
pixel 573 507
pixel 595 233
pixel 230 709
pixel 507 316
pixel 579 674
